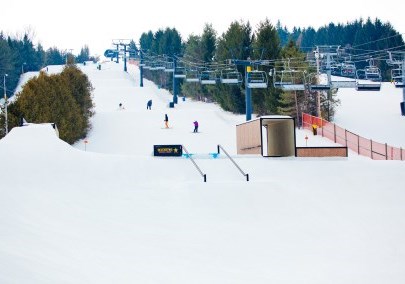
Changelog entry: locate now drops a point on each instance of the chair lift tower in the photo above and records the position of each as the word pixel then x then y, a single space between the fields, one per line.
pixel 179 72
pixel 254 79
pixel 124 43
pixel 141 64
pixel 397 58
pixel 320 53
pixel 117 45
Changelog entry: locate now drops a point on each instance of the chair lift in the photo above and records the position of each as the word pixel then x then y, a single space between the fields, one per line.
pixel 160 64
pixel 335 69
pixel 257 79
pixel 208 77
pixel 369 78
pixel 231 76
pixel 180 71
pixel 153 65
pixel 397 58
pixel 310 58
pixel 290 80
pixel 372 72
pixel 169 66
pixel 397 78
pixel 323 68
pixel 315 84
pixel 142 58
pixel 147 64
pixel 348 69
pixel 364 84
pixel 150 63
pixel 192 75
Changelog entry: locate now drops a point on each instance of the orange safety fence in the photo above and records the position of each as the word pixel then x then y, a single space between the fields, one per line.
pixel 360 145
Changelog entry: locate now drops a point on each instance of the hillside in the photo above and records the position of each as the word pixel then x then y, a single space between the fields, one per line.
pixel 116 214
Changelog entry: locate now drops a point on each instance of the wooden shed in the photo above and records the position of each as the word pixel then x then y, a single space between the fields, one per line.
pixel 270 136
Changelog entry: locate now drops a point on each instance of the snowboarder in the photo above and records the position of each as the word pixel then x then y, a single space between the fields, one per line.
pixel 149 105
pixel 121 106
pixel 166 121
pixel 195 126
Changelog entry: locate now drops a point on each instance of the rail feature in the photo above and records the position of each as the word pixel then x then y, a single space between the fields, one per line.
pixel 189 156
pixel 219 147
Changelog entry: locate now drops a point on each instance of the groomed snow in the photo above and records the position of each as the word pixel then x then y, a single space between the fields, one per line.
pixel 116 214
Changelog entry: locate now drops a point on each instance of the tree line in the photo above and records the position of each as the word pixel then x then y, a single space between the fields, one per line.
pixel 361 39
pixel 19 55
pixel 270 42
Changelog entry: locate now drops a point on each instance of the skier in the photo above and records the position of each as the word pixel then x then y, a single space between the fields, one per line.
pixel 166 121
pixel 121 106
pixel 195 126
pixel 149 105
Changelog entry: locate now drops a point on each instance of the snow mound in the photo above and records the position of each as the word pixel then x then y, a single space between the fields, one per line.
pixel 34 139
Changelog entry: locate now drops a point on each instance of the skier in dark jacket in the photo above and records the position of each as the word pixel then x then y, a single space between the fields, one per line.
pixel 149 105
pixel 166 121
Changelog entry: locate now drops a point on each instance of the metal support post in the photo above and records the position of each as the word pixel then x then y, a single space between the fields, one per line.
pixel 5 102
pixel 174 82
pixel 248 96
pixel 125 58
pixel 118 51
pixel 141 69
pixel 318 94
pixel 403 78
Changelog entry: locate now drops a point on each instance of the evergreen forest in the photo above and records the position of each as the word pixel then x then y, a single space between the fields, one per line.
pixel 19 54
pixel 358 41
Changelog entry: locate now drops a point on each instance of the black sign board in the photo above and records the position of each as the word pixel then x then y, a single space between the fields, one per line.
pixel 167 150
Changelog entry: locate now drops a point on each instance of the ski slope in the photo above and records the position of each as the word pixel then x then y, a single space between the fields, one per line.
pixel 116 214
pixel 373 115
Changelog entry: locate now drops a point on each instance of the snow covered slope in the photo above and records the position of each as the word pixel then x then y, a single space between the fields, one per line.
pixel 373 115
pixel 116 214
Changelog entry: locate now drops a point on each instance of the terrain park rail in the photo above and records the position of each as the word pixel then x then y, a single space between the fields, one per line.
pixel 232 160
pixel 196 166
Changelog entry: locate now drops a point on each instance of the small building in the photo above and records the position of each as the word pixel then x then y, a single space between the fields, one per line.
pixel 270 136
pixel 274 136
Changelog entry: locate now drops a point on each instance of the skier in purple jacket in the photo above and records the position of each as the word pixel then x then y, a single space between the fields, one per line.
pixel 195 126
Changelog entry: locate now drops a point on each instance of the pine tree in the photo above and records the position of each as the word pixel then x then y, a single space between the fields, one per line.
pixel 49 99
pixel 146 41
pixel 283 33
pixel 193 48
pixel 6 64
pixel 208 43
pixel 80 88
pixel 233 44
pixel 266 45
pixel 171 42
pixel 291 103
pixel 54 57
pixel 84 55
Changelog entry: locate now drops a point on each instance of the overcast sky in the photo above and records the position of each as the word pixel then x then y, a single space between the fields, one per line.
pixel 72 24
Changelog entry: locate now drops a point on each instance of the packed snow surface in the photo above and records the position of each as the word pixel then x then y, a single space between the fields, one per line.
pixel 109 212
